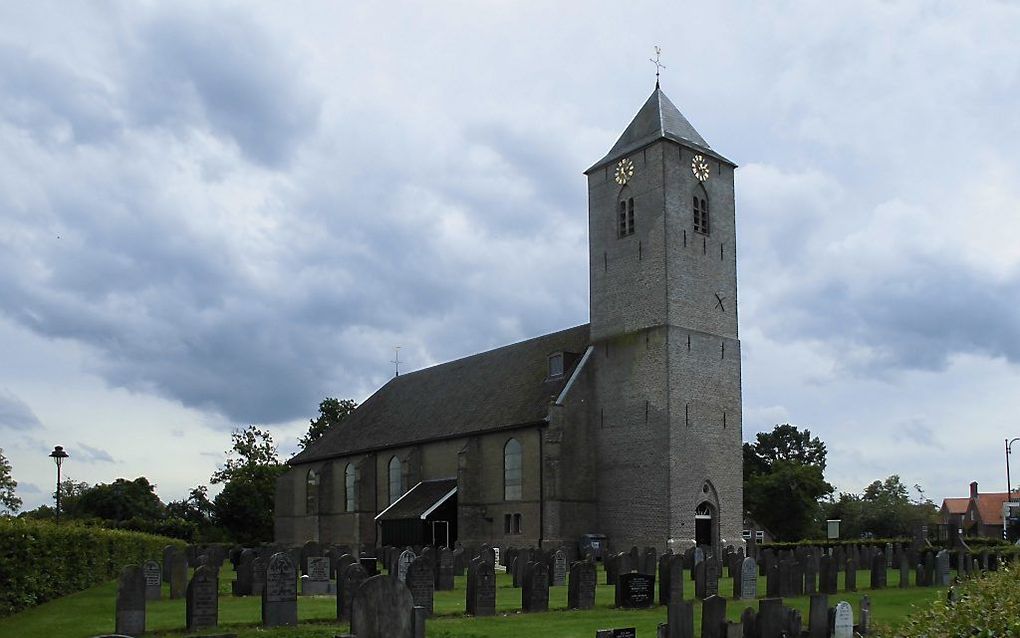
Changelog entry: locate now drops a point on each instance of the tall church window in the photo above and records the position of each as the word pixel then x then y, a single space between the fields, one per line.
pixel 512 468
pixel 312 493
pixel 396 478
pixel 556 365
pixel 626 217
pixel 700 208
pixel 350 488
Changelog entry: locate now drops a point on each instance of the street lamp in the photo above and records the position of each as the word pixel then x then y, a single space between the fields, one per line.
pixel 58 455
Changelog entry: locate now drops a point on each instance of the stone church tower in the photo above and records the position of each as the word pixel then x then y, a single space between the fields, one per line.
pixel 666 357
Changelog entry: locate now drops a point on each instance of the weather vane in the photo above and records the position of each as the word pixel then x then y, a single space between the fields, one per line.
pixel 396 361
pixel 658 65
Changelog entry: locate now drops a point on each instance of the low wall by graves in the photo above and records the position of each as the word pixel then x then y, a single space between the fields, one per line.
pixel 42 561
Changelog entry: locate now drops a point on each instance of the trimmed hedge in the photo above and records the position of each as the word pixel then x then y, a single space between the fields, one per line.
pixel 40 561
pixel 873 542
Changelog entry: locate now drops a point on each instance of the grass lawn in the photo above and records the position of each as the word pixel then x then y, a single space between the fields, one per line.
pixel 91 612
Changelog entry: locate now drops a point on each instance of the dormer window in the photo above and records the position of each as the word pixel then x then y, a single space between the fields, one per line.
pixel 556 365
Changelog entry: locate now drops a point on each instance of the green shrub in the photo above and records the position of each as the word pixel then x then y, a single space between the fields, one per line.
pixel 869 542
pixel 40 561
pixel 988 606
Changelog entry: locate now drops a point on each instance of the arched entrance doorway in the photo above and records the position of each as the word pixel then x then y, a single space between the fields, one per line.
pixel 704 525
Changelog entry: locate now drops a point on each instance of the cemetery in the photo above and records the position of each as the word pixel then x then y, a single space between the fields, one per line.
pixel 312 590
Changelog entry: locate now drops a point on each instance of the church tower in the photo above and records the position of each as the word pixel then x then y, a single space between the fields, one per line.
pixel 666 426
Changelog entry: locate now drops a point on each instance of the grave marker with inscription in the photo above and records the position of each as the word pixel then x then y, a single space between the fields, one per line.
pixel 279 598
pixel 352 578
pixel 535 588
pixel 581 586
pixel 130 617
pixel 422 583
pixel 635 591
pixel 843 621
pixel 559 568
pixel 202 600
pixel 481 592
pixel 316 580
pixel 748 579
pixel 383 608
pixel 153 580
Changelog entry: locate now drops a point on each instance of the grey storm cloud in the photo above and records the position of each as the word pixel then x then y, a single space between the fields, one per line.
pixel 15 413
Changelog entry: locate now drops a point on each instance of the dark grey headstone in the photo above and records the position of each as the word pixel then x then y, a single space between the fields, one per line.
pixel 422 582
pixel 671 585
pixel 771 617
pixel 131 601
pixel 818 616
pixel 168 552
pixel 257 575
pixel 904 571
pixel 878 571
pixel 178 575
pixel 382 608
pixel 243 572
pixel 535 588
pixel 581 586
pixel 202 604
pixel 444 571
pixel 713 617
pixel 648 561
pixel 942 569
pixel 712 570
pixel 635 591
pixel 316 580
pixel 153 580
pixel 481 588
pixel 309 549
pixel 680 619
pixel 279 598
pixel 351 578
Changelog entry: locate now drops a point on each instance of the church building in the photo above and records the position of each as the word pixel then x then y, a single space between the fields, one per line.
pixel 628 426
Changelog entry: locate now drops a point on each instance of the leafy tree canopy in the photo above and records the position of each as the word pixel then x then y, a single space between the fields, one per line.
pixel 252 448
pixel 9 501
pixel 884 509
pixel 784 443
pixel 120 501
pixel 332 412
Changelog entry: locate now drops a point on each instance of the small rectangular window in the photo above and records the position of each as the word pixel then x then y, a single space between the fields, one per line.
pixel 630 216
pixel 746 534
pixel 517 524
pixel 556 365
pixel 759 536
pixel 507 521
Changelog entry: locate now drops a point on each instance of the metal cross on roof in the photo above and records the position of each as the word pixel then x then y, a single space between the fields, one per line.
pixel 396 361
pixel 658 66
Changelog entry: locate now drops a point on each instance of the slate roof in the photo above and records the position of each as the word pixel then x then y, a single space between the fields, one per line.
pixel 658 118
pixel 418 500
pixel 493 390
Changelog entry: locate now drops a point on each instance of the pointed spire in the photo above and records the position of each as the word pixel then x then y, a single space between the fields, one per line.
pixel 658 118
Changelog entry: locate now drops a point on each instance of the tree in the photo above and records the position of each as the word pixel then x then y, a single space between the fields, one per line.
pixel 882 510
pixel 197 508
pixel 784 480
pixel 9 501
pixel 332 412
pixel 245 506
pixel 121 500
pixel 253 447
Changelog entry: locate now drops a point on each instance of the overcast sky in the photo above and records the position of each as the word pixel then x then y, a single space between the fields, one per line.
pixel 216 214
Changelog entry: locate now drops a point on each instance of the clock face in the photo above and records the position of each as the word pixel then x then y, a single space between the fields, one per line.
pixel 700 168
pixel 624 171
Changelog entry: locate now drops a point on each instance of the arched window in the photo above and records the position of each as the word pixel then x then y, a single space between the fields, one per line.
pixel 396 477
pixel 512 470
pixel 350 488
pixel 700 209
pixel 312 492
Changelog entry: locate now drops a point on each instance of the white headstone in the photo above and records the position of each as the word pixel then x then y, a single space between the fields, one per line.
pixel 843 626
pixel 403 564
pixel 699 555
pixel 495 553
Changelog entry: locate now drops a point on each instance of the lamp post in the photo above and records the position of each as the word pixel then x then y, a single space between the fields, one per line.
pixel 58 455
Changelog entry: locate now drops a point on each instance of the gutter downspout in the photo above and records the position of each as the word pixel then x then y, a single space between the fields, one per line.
pixel 541 489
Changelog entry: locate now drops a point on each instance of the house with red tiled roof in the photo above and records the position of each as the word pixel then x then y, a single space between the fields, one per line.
pixel 978 514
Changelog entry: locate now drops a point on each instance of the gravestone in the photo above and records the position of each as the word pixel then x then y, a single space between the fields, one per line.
pixel 243 573
pixel 258 569
pixel 422 583
pixel 635 591
pixel 713 617
pixel 828 578
pixel 497 562
pixel 315 582
pixel 202 600
pixel 671 580
pixel 535 588
pixel 153 580
pixel 383 608
pixel 612 565
pixel 712 571
pixel 559 568
pixel 168 553
pixel 818 616
pixel 130 617
pixel 843 621
pixel 748 579
pixel 581 586
pixel 444 571
pixel 771 621
pixel 904 571
pixel 178 575
pixel 481 592
pixel 403 564
pixel 308 550
pixel 699 555
pixel 772 579
pixel 851 575
pixel 622 632
pixel 352 578
pixel 460 560
pixel 942 569
pixel 680 618
pixel 864 626
pixel 648 561
pixel 279 598
pixel 810 575
pixel 370 564
pixel 878 571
